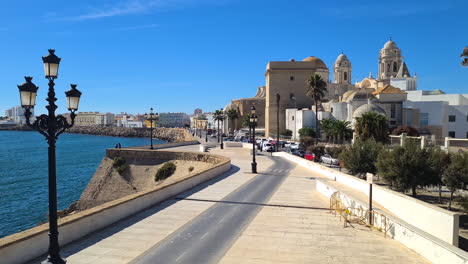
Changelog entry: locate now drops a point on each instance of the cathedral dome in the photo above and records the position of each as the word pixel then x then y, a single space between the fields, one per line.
pixel 365 108
pixel 341 58
pixel 390 45
pixel 318 62
pixel 360 94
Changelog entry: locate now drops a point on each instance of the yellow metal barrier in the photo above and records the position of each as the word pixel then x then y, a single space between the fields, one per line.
pixel 359 215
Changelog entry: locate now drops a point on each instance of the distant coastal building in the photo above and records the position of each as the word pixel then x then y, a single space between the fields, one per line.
pixel 197 111
pixel 126 120
pixel 17 114
pixel 94 119
pixel 173 120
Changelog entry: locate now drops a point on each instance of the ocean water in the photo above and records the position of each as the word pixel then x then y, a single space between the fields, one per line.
pixel 24 174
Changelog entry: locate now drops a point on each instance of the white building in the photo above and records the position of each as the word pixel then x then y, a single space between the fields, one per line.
pixel 94 119
pixel 445 115
pixel 17 114
pixel 128 121
pixel 299 118
pixel 173 119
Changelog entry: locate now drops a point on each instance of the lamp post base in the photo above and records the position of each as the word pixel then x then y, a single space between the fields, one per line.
pixel 222 146
pixel 54 261
pixel 254 167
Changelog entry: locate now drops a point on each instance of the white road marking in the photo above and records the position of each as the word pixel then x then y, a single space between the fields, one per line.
pixel 201 238
pixel 181 255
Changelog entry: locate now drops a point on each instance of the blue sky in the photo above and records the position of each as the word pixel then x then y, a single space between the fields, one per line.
pixel 176 55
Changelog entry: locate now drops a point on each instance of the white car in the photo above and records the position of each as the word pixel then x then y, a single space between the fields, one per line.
pixel 329 160
pixel 267 146
pixel 294 146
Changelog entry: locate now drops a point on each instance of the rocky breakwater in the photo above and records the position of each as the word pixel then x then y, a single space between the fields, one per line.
pixel 172 135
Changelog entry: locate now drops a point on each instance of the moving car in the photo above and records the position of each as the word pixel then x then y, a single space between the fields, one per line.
pixel 329 160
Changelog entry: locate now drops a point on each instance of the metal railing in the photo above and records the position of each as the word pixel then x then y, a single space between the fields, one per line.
pixel 359 215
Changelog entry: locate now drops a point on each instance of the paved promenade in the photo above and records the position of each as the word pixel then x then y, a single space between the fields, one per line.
pixel 272 217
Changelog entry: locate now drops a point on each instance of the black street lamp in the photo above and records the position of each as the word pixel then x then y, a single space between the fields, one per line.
pixel 253 123
pixel 50 126
pixel 151 117
pixel 206 131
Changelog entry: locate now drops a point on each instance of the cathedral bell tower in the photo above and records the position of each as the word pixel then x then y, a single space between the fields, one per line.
pixel 390 61
pixel 342 70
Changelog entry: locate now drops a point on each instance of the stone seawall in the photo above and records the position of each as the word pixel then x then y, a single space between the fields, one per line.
pixel 171 135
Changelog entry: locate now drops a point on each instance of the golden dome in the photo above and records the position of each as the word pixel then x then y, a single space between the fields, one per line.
pixel 318 62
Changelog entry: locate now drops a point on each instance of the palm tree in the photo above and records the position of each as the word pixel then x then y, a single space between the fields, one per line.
pixel 341 130
pixel 233 115
pixel 327 125
pixel 372 125
pixel 316 90
pixel 218 116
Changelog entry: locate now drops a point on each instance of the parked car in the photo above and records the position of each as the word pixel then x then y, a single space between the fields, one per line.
pixel 329 160
pixel 309 156
pixel 267 146
pixel 294 146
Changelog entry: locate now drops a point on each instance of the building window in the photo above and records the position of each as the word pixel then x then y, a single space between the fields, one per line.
pixel 467 118
pixel 467 134
pixel 291 78
pixel 331 110
pixel 345 76
pixel 395 67
pixel 451 134
pixel 424 119
pixel 452 118
pixel 409 116
pixel 388 67
pixel 392 111
pixel 292 118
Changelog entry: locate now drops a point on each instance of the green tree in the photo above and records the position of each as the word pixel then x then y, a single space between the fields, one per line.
pixel 327 127
pixel 246 120
pixel 372 125
pixel 306 132
pixel 218 116
pixel 405 168
pixel 360 157
pixel 409 130
pixel 439 160
pixel 286 133
pixel 316 90
pixel 456 174
pixel 341 130
pixel 233 115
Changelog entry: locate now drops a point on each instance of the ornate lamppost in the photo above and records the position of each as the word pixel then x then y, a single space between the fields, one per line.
pixel 464 57
pixel 151 117
pixel 206 131
pixel 50 126
pixel 253 123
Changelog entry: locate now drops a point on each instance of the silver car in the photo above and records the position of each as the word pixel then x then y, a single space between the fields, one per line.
pixel 329 160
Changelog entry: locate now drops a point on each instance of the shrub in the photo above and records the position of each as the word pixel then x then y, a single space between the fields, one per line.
pixel 405 168
pixel 190 169
pixel 335 151
pixel 456 174
pixel 119 164
pixel 165 171
pixel 360 158
pixel 306 132
pixel 306 141
pixel 319 151
pixel 409 130
pixel 287 133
